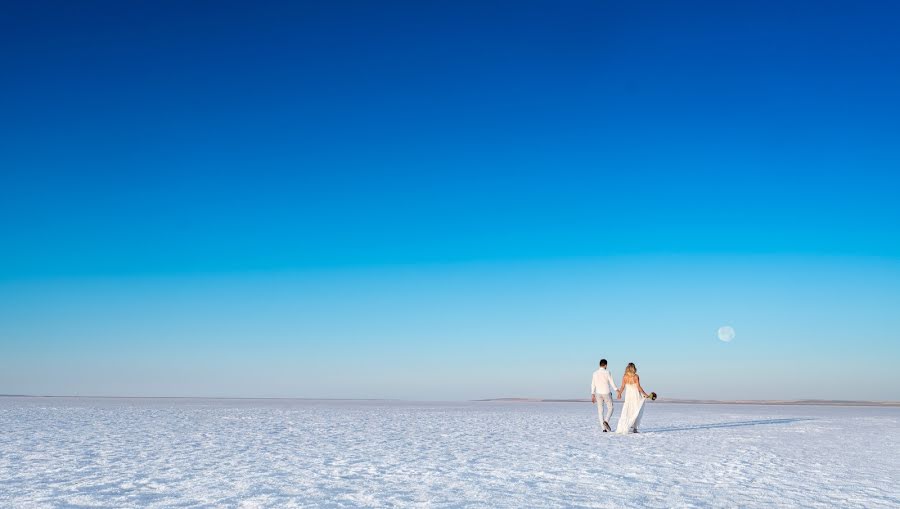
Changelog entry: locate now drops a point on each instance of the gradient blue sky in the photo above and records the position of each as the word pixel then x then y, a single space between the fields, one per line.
pixel 449 200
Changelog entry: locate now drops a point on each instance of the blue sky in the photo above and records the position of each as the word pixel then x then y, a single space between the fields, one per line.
pixel 449 200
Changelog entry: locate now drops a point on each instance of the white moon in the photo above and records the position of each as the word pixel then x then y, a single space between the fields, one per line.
pixel 726 333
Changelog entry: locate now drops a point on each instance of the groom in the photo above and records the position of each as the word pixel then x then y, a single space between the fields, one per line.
pixel 600 384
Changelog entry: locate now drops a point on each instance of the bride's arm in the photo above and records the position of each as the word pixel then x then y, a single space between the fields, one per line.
pixel 638 380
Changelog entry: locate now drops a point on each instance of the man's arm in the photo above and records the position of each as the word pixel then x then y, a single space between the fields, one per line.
pixel 611 382
pixel 593 389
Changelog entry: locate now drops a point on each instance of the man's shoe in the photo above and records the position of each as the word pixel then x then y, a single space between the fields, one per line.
pixel 606 427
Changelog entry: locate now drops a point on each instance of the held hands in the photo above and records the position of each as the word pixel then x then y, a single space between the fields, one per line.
pixel 618 394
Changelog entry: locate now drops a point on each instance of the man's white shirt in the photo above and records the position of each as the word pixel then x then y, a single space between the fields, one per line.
pixel 601 382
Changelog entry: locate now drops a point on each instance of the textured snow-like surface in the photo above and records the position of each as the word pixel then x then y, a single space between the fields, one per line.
pixel 57 452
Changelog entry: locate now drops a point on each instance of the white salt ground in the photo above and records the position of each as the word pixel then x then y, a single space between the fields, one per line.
pixel 119 453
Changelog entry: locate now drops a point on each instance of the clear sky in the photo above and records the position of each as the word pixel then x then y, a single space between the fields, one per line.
pixel 449 200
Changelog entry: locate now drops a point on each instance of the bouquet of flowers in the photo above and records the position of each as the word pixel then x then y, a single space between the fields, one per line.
pixel 652 396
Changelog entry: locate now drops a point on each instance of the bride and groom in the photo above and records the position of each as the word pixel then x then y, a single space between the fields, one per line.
pixel 633 408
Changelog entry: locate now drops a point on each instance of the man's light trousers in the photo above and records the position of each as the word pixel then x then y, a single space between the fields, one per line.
pixel 607 401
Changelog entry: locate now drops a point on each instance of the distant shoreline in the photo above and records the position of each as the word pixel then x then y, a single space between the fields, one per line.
pixel 792 402
pixel 250 398
pixel 795 402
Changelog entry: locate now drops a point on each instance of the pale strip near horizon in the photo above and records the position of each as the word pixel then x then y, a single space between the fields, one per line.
pixel 797 402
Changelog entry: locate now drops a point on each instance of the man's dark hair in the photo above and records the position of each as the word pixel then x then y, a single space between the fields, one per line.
pixel 602 363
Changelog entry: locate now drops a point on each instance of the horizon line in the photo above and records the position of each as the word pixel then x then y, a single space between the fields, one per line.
pixel 811 402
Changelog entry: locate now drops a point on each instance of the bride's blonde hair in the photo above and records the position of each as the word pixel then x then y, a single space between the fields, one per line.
pixel 630 369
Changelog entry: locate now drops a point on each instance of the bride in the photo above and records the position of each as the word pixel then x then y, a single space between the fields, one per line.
pixel 633 408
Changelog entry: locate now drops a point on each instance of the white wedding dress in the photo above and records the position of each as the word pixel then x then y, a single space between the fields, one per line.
pixel 632 410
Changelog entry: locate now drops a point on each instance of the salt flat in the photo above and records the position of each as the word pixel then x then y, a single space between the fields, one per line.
pixel 82 452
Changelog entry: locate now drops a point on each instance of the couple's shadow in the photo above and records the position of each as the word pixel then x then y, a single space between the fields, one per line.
pixel 733 424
